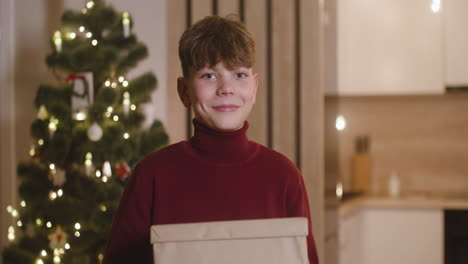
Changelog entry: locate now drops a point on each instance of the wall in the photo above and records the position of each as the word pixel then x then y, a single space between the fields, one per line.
pixel 423 138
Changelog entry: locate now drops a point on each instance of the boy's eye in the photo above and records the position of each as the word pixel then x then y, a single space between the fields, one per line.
pixel 241 75
pixel 208 76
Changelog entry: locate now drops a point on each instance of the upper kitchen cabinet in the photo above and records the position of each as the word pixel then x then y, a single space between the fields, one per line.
pixel 456 42
pixel 385 47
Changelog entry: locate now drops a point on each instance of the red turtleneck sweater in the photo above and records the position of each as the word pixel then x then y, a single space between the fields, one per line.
pixel 215 176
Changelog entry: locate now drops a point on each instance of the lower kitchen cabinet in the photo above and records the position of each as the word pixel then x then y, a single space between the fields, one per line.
pixel 456 236
pixel 389 236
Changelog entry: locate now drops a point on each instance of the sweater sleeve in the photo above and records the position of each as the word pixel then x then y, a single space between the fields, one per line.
pixel 298 206
pixel 129 240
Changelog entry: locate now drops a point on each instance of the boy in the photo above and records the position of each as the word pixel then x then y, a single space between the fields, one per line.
pixel 218 174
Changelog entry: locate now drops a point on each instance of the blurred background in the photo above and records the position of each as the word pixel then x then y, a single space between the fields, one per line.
pixel 368 98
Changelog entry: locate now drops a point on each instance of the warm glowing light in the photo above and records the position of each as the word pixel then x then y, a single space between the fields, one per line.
pixel 52 166
pixel 77 234
pixel 72 35
pixel 58 41
pixel 89 34
pixel 133 107
pixel 38 222
pixel 121 79
pixel 114 85
pixel 48 224
pixel 11 236
pixel 81 29
pixel 435 6
pixel 23 203
pixel 44 253
pixel 40 142
pixel 107 83
pixel 53 195
pixel 94 42
pixel 90 4
pixel 104 179
pixel 339 190
pixel 67 246
pixel 126 135
pixel 9 209
pixel 103 208
pixel 56 259
pixel 60 192
pixel 19 223
pixel 84 10
pixel 116 118
pixel 14 213
pixel 32 151
pixel 53 124
pixel 125 83
pixel 80 116
pixel 77 226
pixel 340 123
pixel 98 173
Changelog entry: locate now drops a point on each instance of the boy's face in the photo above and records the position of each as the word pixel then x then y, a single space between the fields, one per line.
pixel 220 98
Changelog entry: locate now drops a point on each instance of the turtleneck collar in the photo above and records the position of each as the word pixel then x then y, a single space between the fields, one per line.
pixel 221 147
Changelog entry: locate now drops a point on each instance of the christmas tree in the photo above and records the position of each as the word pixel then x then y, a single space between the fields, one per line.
pixel 87 135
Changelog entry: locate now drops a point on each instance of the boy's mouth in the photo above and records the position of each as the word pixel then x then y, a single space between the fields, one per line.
pixel 225 108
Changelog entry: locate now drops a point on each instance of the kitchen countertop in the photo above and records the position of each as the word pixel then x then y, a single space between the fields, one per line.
pixel 448 202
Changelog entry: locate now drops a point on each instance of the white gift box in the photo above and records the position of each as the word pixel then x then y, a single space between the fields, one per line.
pixel 262 241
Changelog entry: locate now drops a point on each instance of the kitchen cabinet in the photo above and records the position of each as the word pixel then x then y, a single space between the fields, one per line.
pixel 456 42
pixel 391 235
pixel 385 47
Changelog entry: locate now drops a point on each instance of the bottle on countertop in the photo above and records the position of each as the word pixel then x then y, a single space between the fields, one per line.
pixel 361 167
pixel 393 184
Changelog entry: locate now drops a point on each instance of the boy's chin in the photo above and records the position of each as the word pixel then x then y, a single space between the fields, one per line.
pixel 226 125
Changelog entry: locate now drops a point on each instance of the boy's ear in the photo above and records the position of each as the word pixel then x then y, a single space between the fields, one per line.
pixel 255 77
pixel 182 89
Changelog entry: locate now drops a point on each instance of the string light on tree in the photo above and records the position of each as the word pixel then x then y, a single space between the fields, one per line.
pixel 71 35
pixel 126 102
pixel 107 83
pixel 98 174
pixel 94 42
pixel 109 111
pixel 53 122
pixel 81 29
pixel 89 4
pixel 89 164
pixel 44 253
pixel 121 79
pixel 125 83
pixel 126 24
pixel 126 135
pixel 80 116
pixel 11 233
pixel 89 35
pixel 114 85
pixel 58 41
pixel 115 118
pixel 19 223
pixel 133 107
pixel 49 224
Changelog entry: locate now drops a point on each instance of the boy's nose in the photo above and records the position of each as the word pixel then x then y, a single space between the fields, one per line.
pixel 225 88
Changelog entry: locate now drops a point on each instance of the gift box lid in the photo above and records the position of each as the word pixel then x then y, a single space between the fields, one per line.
pixel 221 230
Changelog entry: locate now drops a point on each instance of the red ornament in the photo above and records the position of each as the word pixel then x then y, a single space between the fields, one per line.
pixel 123 170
